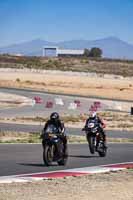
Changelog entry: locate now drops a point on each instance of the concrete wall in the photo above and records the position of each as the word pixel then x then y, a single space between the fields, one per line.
pixel 70 52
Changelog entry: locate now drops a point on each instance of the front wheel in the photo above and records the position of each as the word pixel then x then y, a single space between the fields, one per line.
pixel 47 155
pixel 91 144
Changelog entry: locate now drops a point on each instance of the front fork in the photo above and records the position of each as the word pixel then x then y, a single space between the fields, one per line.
pixel 97 140
pixel 52 147
pixel 94 139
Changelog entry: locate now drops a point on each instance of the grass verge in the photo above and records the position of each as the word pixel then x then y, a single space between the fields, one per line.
pixel 80 64
pixel 15 137
pixel 113 120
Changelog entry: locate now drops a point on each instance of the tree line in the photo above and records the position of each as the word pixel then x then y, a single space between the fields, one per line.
pixel 93 52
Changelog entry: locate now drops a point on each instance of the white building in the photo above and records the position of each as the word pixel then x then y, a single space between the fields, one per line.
pixel 53 51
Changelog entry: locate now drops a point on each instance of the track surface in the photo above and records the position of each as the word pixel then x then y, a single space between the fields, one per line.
pixel 24 158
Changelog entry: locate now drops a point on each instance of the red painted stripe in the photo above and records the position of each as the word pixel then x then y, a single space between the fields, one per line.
pixel 56 174
pixel 128 165
pixel 62 174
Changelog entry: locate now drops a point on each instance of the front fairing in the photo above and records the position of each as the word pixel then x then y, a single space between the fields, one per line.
pixel 53 139
pixel 92 127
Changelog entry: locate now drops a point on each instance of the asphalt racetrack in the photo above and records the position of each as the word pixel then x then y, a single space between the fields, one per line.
pixel 18 159
pixel 27 158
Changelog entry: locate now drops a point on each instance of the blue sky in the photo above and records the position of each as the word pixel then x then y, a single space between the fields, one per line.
pixel 58 20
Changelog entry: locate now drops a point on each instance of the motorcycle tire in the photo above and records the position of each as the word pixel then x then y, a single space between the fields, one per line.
pixel 63 161
pixel 47 158
pixel 102 152
pixel 91 145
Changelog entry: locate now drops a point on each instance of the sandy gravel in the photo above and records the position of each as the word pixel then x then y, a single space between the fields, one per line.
pixel 111 186
pixel 82 84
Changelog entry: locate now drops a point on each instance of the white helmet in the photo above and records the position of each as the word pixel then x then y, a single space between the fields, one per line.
pixel 93 115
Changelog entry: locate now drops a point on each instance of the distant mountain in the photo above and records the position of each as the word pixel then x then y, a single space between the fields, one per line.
pixel 112 47
pixel 33 47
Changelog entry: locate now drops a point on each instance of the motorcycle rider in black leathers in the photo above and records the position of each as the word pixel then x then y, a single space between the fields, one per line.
pixel 55 120
pixel 97 119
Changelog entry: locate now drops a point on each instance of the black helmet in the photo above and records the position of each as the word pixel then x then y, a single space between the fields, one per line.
pixel 54 116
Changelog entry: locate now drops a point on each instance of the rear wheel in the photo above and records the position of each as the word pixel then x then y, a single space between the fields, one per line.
pixel 102 150
pixel 63 161
pixel 64 158
pixel 102 153
pixel 47 155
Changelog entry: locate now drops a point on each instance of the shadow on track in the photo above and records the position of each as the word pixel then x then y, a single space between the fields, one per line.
pixel 83 156
pixel 35 164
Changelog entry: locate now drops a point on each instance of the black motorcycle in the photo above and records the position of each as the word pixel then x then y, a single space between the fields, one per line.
pixel 53 148
pixel 95 138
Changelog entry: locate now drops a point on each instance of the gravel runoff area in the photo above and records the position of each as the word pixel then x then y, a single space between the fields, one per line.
pixel 111 186
pixel 88 84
